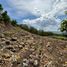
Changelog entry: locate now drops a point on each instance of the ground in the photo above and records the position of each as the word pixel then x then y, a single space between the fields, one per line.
pixel 19 48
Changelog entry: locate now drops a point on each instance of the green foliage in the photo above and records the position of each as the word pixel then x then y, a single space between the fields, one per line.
pixel 1 8
pixel 25 27
pixel 65 12
pixel 14 22
pixel 41 32
pixel 5 17
pixel 64 26
pixel 35 31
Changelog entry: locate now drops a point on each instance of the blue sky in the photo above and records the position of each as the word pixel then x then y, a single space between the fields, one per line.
pixel 13 12
pixel 42 14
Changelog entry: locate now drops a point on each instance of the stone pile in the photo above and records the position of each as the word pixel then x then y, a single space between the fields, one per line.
pixel 23 49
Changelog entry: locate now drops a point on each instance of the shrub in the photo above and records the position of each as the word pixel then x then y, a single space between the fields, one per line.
pixel 5 17
pixel 14 22
pixel 64 26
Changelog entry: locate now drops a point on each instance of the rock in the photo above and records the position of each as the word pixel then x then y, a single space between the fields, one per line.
pixel 3 39
pixel 32 49
pixel 1 61
pixel 14 58
pixel 49 47
pixel 9 47
pixel 6 56
pixel 21 43
pixel 31 61
pixel 2 35
pixel 7 42
pixel 25 63
pixel 20 46
pixel 14 39
pixel 48 44
pixel 36 64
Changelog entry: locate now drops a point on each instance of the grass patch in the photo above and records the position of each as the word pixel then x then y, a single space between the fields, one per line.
pixel 60 37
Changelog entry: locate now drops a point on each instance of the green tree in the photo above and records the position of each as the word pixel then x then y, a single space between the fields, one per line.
pixel 1 8
pixel 25 27
pixel 5 17
pixel 64 26
pixel 65 12
pixel 33 30
pixel 14 22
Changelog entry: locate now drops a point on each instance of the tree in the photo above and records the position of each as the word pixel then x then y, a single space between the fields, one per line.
pixel 65 12
pixel 1 8
pixel 5 17
pixel 14 22
pixel 64 26
pixel 33 30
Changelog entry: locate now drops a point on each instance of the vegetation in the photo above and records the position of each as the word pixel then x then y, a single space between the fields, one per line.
pixel 5 17
pixel 65 12
pixel 35 31
pixel 14 22
pixel 1 8
pixel 64 26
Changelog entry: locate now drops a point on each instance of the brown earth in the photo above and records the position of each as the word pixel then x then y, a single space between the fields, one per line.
pixel 19 48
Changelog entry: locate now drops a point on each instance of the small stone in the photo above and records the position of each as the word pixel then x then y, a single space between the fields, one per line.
pixel 9 47
pixel 2 36
pixel 21 43
pixel 25 63
pixel 1 61
pixel 32 49
pixel 3 39
pixel 7 42
pixel 49 47
pixel 20 46
pixel 14 39
pixel 48 44
pixel 36 63
pixel 31 61
pixel 6 56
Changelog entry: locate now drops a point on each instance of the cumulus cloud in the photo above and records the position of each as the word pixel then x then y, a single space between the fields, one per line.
pixel 47 12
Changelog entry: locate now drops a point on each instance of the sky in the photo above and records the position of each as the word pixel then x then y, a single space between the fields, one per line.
pixel 41 14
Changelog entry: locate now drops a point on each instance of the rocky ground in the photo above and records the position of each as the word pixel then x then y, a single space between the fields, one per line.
pixel 19 48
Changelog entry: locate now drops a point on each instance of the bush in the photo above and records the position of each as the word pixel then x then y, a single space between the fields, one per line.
pixel 33 30
pixel 5 17
pixel 14 22
pixel 64 26
pixel 1 8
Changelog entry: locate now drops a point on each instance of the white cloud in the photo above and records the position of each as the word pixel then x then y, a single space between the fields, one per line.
pixel 34 6
pixel 48 10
